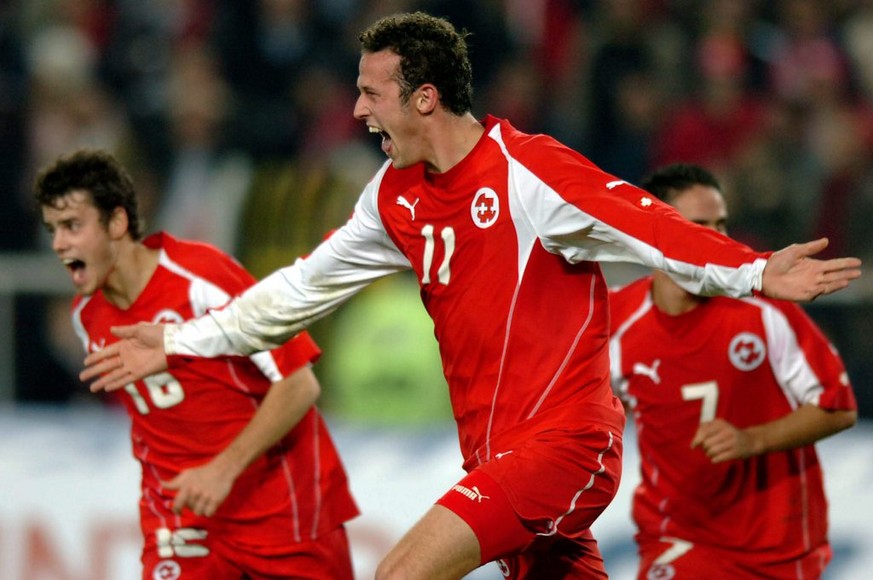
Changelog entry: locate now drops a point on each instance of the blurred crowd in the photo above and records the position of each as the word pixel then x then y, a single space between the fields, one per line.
pixel 235 117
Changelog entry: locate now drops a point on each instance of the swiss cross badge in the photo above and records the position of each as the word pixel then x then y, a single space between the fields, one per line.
pixel 485 208
pixel 747 351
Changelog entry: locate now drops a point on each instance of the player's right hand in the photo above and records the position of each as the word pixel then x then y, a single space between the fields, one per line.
pixel 138 354
pixel 202 489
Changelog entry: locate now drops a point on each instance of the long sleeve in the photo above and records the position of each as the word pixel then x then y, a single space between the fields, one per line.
pixel 292 298
pixel 584 214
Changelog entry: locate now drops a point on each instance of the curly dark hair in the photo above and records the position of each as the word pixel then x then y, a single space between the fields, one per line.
pixel 96 173
pixel 430 51
pixel 668 181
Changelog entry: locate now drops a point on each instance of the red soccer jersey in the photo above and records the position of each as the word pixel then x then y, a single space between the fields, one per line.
pixel 519 313
pixel 184 417
pixel 505 247
pixel 747 361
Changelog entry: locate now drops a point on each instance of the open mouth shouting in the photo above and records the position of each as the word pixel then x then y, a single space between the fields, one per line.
pixel 77 270
pixel 386 138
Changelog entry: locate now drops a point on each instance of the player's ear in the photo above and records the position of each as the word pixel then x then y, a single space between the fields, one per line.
pixel 118 223
pixel 426 98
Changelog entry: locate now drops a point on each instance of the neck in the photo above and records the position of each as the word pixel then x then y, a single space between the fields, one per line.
pixel 135 264
pixel 670 298
pixel 452 138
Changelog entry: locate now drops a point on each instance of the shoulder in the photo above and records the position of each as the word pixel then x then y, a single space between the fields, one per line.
pixel 199 260
pixel 773 307
pixel 88 304
pixel 630 292
pixel 78 302
pixel 547 161
pixel 793 315
pixel 81 313
pixel 627 299
pixel 532 148
pixel 786 307
pixel 188 253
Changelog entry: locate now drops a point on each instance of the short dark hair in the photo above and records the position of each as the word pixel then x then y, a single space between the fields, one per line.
pixel 96 173
pixel 668 181
pixel 430 51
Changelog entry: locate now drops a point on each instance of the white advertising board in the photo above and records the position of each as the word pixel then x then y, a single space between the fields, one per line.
pixel 69 490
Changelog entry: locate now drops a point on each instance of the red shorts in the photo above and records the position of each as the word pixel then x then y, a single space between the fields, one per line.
pixel 532 505
pixel 197 554
pixel 672 558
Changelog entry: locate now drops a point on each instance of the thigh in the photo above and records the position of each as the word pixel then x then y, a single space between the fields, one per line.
pixel 810 566
pixel 181 545
pixel 553 486
pixel 556 558
pixel 559 482
pixel 484 506
pixel 326 558
pixel 190 546
pixel 439 546
pixel 518 551
pixel 158 564
pixel 674 558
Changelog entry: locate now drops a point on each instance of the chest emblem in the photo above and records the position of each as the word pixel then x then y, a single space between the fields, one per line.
pixel 747 351
pixel 485 208
pixel 402 201
pixel 167 316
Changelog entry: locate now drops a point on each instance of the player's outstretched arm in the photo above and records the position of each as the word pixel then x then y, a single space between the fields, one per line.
pixel 792 274
pixel 138 354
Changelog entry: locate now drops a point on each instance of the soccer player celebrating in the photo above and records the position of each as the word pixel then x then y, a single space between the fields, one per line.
pixel 728 396
pixel 240 478
pixel 503 231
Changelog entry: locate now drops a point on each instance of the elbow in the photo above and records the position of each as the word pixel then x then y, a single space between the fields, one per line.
pixel 847 419
pixel 316 393
pixel 312 388
pixel 302 388
pixel 840 421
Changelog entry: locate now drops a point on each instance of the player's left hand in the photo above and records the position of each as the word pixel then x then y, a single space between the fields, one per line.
pixel 721 441
pixel 201 489
pixel 792 273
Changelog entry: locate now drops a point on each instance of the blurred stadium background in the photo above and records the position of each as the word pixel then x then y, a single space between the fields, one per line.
pixel 235 120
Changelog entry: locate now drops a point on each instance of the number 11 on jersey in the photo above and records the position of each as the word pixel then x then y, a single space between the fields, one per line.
pixel 444 273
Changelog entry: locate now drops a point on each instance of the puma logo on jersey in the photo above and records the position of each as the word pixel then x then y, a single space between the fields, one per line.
pixel 95 346
pixel 499 455
pixel 614 184
pixel 649 371
pixel 410 206
pixel 474 494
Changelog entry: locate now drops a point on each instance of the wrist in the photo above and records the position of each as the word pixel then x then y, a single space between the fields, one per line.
pixel 757 438
pixel 228 464
pixel 170 332
pixel 760 266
